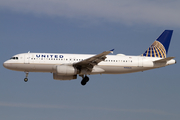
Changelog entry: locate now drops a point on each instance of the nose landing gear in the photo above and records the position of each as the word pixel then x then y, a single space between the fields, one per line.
pixel 26 78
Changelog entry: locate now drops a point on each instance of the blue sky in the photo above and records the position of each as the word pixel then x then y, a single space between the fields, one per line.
pixel 90 27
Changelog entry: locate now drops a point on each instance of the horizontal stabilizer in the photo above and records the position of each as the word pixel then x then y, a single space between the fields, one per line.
pixel 163 60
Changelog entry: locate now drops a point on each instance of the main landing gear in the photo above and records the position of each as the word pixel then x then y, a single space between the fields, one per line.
pixel 26 78
pixel 84 80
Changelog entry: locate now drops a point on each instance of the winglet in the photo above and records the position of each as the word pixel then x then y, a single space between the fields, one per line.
pixel 112 51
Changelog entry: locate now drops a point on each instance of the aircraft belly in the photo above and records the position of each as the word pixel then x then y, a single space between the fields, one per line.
pixel 122 69
pixel 32 67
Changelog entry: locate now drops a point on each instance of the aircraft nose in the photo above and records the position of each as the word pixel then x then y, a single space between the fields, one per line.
pixel 5 64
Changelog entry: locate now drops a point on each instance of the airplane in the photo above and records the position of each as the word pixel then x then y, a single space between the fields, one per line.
pixel 68 66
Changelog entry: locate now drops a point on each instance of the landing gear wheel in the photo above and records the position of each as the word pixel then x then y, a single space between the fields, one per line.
pixel 25 79
pixel 84 80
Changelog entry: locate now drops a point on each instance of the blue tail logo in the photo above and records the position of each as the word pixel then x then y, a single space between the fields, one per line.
pixel 160 46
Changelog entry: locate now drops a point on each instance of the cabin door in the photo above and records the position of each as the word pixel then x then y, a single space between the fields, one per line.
pixel 26 58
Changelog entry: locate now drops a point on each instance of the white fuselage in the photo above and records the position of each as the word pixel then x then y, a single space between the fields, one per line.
pixel 113 64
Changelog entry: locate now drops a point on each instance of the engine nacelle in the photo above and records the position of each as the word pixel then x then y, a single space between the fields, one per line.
pixel 64 77
pixel 65 70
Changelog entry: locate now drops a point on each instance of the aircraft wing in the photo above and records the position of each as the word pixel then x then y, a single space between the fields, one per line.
pixel 94 60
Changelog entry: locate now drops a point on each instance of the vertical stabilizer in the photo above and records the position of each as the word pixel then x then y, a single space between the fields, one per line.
pixel 160 46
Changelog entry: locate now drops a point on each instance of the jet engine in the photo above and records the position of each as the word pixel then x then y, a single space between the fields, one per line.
pixel 65 70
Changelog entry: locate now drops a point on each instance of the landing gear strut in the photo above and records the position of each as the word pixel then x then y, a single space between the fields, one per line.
pixel 26 79
pixel 84 80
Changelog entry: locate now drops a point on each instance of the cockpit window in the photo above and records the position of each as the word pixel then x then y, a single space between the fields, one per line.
pixel 14 58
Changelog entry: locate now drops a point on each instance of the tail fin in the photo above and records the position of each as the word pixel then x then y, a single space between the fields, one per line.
pixel 160 46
